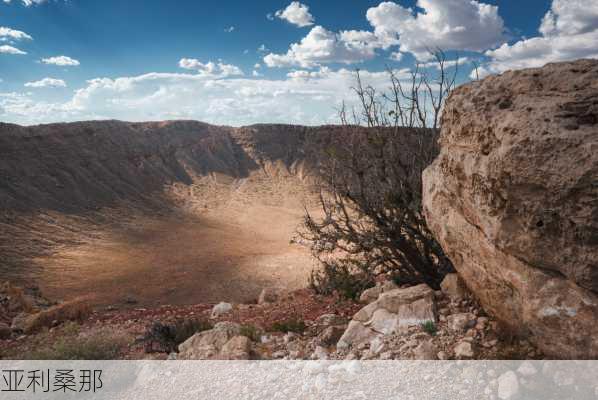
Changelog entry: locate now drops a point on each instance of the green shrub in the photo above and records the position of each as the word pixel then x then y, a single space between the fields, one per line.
pixel 166 338
pixel 251 332
pixel 429 327
pixel 340 279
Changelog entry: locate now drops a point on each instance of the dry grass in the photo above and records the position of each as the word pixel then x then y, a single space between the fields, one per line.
pixel 74 310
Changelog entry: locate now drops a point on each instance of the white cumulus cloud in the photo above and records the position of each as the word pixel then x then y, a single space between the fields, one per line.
pixel 322 46
pixel 568 31
pixel 304 97
pixel 446 24
pixel 210 68
pixel 296 14
pixel 62 61
pixel 46 82
pixel 13 34
pixel 6 49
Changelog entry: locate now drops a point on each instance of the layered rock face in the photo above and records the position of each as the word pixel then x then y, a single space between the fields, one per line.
pixel 513 199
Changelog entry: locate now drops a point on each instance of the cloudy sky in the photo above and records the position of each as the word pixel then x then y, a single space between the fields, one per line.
pixel 240 62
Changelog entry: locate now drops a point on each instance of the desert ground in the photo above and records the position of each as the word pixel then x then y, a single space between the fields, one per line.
pixel 228 250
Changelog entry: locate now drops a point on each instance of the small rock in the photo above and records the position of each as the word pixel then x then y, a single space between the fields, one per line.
pixel 268 295
pixel 220 309
pixel 464 350
pixel 442 355
pixel 490 343
pixel 508 385
pixel 459 322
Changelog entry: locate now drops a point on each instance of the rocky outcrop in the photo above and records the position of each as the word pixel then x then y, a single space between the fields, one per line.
pixel 394 311
pixel 513 200
pixel 223 342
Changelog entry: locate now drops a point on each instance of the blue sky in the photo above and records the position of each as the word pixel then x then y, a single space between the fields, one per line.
pixel 239 62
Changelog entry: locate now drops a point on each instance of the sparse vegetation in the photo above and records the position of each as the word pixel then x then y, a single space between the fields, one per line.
pixel 430 328
pixel 99 345
pixel 370 187
pixel 252 332
pixel 163 337
pixel 290 325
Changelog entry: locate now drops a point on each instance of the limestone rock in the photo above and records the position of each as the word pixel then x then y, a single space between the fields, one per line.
pixel 237 348
pixel 208 344
pixel 452 285
pixel 365 314
pixel 268 295
pixel 394 299
pixel 371 294
pixel 356 333
pixel 417 313
pixel 464 350
pixel 220 309
pixel 383 322
pixel 512 199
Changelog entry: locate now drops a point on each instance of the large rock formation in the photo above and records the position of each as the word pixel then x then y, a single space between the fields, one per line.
pixel 513 199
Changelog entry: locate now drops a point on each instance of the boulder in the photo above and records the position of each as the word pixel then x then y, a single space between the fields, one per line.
pixel 512 199
pixel 394 311
pixel 394 299
pixel 356 333
pixel 370 295
pixel 237 348
pixel 452 286
pixel 417 313
pixel 383 322
pixel 366 313
pixel 207 345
